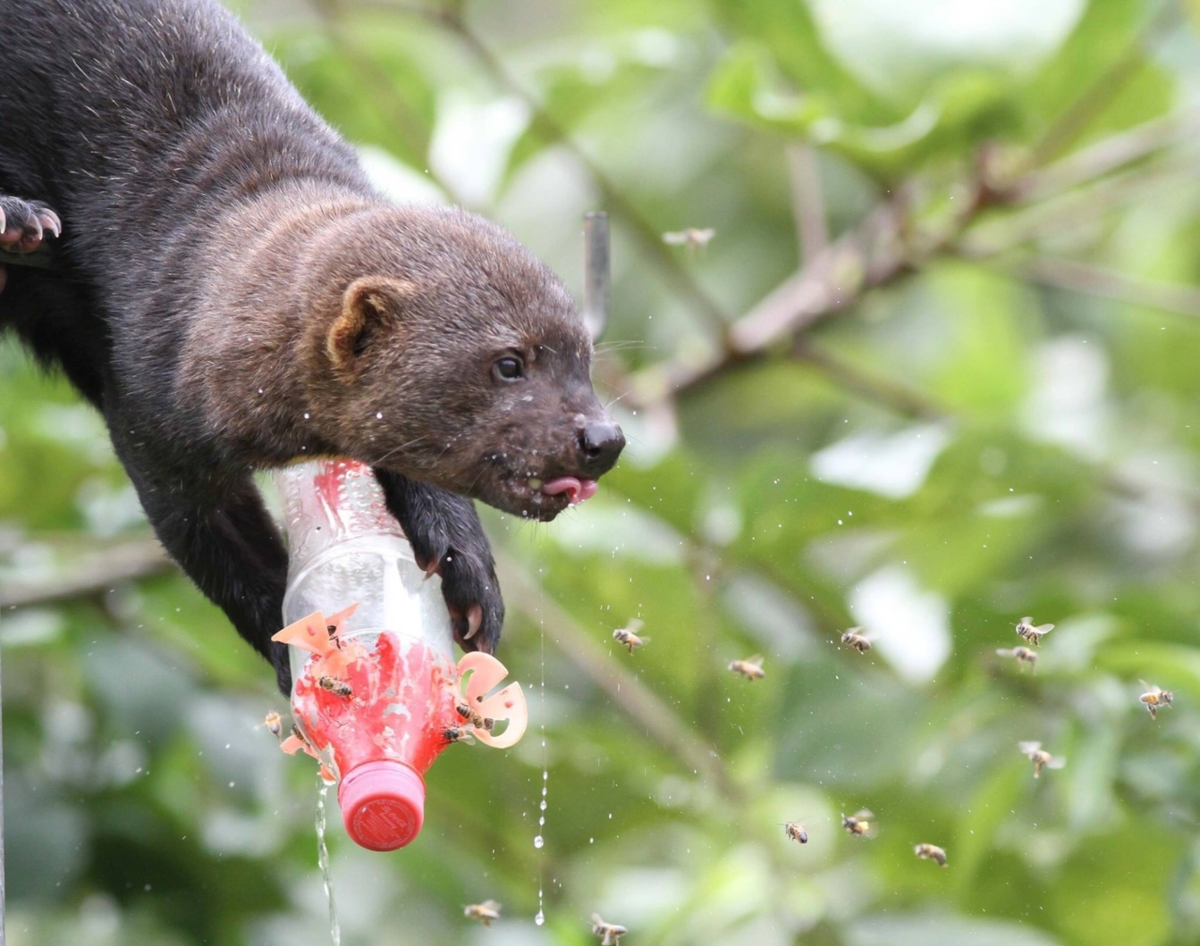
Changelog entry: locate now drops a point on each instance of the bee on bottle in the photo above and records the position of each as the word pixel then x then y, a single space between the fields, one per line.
pixel 860 824
pixel 457 734
pixel 483 912
pixel 931 852
pixel 610 933
pixel 628 635
pixel 750 668
pixel 486 723
pixel 856 641
pixel 1155 698
pixel 336 687
pixel 1040 758
pixel 1023 656
pixel 1028 631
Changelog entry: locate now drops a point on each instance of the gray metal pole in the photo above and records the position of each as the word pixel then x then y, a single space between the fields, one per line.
pixel 596 271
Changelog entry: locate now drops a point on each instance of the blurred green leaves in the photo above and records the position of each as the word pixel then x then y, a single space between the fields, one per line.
pixel 947 447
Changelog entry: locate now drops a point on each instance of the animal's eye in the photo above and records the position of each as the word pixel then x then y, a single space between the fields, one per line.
pixel 508 369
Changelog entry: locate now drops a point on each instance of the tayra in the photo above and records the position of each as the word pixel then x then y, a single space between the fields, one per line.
pixel 231 293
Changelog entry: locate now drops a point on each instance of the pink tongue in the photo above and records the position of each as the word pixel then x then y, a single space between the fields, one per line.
pixel 577 490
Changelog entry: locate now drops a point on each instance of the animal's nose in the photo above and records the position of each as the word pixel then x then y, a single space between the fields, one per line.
pixel 600 442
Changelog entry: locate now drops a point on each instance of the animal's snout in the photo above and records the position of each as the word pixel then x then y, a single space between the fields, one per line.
pixel 600 443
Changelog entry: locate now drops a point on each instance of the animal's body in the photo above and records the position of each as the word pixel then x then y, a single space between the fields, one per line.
pixel 232 294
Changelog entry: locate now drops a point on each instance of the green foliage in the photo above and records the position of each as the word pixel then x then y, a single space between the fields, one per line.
pixel 958 438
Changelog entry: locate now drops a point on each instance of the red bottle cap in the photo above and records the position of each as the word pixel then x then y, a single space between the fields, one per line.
pixel 383 804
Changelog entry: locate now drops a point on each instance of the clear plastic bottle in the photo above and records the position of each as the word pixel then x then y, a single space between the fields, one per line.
pixel 373 690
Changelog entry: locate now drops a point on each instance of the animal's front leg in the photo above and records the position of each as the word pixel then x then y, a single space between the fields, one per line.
pixel 228 545
pixel 447 537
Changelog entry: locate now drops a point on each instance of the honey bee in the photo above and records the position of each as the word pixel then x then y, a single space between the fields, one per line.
pixel 1027 631
pixel 483 912
pixel 692 238
pixel 795 831
pixel 457 734
pixel 1040 757
pixel 1155 699
pixel 627 635
pixel 274 724
pixel 750 668
pixel 931 852
pixel 1023 655
pixel 859 823
pixel 486 723
pixel 336 687
pixel 856 640
pixel 610 933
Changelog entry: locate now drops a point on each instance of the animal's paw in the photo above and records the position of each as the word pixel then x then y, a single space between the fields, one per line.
pixel 448 539
pixel 25 224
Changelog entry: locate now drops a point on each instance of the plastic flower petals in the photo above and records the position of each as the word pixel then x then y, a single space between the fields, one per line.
pixel 509 703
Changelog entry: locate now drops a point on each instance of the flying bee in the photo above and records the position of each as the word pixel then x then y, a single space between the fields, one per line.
pixel 628 636
pixel 859 823
pixel 483 912
pixel 610 933
pixel 692 238
pixel 457 734
pixel 1040 757
pixel 486 723
pixel 1023 655
pixel 857 641
pixel 795 831
pixel 274 724
pixel 1155 699
pixel 336 687
pixel 931 852
pixel 750 668
pixel 1034 634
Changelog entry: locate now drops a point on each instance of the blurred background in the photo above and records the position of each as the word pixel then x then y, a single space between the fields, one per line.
pixel 904 335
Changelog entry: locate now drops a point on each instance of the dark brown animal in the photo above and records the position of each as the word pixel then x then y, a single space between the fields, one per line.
pixel 228 289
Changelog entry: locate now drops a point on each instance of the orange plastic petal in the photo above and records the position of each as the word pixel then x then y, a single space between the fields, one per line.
pixel 509 703
pixel 310 633
pixel 293 744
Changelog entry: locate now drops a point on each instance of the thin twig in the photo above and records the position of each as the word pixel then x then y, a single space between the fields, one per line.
pixel 1106 284
pixel 625 689
pixel 94 574
pixel 1074 120
pixel 808 203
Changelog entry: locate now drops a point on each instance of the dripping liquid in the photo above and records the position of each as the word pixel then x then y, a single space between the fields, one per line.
pixel 323 861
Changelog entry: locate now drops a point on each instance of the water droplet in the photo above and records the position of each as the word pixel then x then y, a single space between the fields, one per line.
pixel 539 841
pixel 543 806
pixel 540 918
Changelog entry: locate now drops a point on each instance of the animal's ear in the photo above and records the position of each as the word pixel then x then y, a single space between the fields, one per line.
pixel 371 306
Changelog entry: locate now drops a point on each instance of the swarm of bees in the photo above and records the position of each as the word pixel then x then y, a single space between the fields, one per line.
pixel 1023 656
pixel 610 933
pixel 856 641
pixel 1026 630
pixel 1155 698
pixel 628 636
pixel 483 912
pixel 1040 758
pixel 795 831
pixel 750 668
pixel 859 824
pixel 931 852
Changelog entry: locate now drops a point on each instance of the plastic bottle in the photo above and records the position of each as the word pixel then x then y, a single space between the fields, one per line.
pixel 374 687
